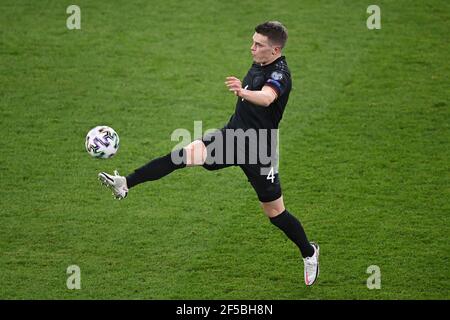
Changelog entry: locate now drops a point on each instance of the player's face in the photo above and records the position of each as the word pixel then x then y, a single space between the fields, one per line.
pixel 262 50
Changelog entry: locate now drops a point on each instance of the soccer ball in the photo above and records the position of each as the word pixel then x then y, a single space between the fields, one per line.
pixel 102 142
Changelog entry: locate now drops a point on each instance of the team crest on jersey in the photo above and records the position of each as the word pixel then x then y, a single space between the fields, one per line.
pixel 276 75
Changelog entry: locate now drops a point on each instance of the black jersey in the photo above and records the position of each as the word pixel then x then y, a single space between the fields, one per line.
pixel 248 115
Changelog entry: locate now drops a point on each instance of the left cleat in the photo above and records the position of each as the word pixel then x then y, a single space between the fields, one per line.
pixel 312 266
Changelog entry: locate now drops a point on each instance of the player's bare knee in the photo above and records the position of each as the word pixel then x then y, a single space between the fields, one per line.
pixel 195 153
pixel 271 212
pixel 273 208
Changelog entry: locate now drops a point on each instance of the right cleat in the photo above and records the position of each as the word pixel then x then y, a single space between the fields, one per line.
pixel 118 184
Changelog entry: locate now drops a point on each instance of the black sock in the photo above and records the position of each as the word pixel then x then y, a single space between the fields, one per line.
pixel 294 230
pixel 157 168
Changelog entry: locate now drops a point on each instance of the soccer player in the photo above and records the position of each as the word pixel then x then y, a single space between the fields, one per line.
pixel 261 100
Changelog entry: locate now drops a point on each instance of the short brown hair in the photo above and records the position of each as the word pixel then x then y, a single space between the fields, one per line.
pixel 275 31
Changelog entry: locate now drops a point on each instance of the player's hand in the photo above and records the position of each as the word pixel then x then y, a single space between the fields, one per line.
pixel 235 85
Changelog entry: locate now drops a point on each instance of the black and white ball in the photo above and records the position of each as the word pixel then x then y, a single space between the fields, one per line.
pixel 102 142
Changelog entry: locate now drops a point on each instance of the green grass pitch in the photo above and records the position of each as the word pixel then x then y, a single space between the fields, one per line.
pixel 364 146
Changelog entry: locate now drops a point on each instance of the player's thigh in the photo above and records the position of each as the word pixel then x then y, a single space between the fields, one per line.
pixel 267 188
pixel 195 153
pixel 217 150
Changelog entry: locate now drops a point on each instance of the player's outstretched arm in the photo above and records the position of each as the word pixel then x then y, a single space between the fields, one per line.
pixel 263 97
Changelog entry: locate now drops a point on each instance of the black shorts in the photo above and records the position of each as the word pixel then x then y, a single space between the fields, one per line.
pixel 263 177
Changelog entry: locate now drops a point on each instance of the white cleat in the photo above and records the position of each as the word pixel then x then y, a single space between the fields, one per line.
pixel 312 266
pixel 116 183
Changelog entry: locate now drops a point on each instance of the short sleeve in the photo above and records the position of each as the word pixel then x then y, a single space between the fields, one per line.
pixel 278 80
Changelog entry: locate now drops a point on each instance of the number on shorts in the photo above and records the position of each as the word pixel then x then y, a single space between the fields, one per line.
pixel 271 176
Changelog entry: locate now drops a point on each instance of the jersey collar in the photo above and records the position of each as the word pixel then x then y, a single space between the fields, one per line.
pixel 272 63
